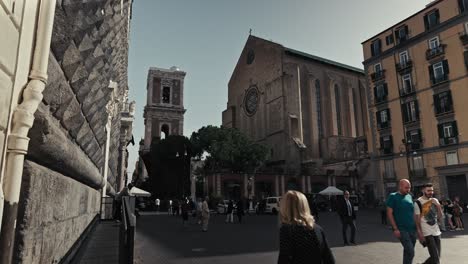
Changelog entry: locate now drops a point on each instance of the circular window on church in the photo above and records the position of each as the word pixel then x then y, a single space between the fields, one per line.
pixel 251 101
pixel 250 57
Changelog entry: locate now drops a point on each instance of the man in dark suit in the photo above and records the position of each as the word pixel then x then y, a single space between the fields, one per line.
pixel 348 217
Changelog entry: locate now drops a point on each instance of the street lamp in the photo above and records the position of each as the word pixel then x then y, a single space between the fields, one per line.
pixel 407 144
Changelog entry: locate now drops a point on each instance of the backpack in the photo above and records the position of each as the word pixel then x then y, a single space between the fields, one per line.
pixel 430 221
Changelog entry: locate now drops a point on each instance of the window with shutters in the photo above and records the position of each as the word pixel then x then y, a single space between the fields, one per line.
pixel 386 144
pixel 404 58
pixel 417 166
pixel 452 157
pixel 463 5
pixel 166 95
pixel 401 34
pixel 414 138
pixel 381 93
pixel 448 133
pixel 389 169
pixel 410 111
pixel 434 43
pixel 376 47
pixel 407 87
pixel 431 19
pixel 389 40
pixel 319 108
pixel 439 72
pixel 338 110
pixel 443 103
pixel 383 119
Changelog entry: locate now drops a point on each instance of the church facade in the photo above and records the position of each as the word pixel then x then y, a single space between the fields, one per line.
pixel 310 112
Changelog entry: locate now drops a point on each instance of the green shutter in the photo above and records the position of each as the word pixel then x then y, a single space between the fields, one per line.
pixel 446 67
pixel 431 74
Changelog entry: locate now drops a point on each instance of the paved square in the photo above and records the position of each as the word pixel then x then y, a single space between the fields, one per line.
pixel 162 239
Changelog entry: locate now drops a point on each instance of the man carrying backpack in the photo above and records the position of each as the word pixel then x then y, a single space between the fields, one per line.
pixel 428 212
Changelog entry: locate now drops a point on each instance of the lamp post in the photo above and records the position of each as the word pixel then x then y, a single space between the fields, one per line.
pixel 407 144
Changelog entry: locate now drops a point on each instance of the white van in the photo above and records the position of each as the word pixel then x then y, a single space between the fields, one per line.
pixel 272 204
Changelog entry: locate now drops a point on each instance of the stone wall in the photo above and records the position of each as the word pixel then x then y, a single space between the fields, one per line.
pixel 60 193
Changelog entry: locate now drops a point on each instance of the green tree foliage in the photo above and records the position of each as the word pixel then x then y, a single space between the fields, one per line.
pixel 227 149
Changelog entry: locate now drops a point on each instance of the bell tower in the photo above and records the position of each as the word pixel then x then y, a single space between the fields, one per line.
pixel 164 110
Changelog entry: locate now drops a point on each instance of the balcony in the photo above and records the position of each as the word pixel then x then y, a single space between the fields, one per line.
pixel 415 146
pixel 377 76
pixel 418 173
pixel 448 141
pixel 407 91
pixel 383 125
pixel 435 52
pixel 443 110
pixel 439 79
pixel 404 67
pixel 464 38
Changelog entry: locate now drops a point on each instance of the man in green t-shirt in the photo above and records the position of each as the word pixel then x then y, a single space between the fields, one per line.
pixel 400 212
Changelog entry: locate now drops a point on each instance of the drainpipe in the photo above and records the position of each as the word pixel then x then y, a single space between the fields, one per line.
pixel 22 121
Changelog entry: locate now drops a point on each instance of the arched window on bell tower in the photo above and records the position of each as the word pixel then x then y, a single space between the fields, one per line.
pixel 164 131
pixel 166 95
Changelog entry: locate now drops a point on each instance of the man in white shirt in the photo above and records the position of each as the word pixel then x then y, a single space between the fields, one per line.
pixel 348 218
pixel 428 213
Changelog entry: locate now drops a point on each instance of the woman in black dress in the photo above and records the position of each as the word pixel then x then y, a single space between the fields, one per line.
pixel 301 240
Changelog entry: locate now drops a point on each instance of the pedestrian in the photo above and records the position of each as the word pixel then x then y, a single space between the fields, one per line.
pixel 175 207
pixel 185 208
pixel 205 214
pixel 199 210
pixel 301 239
pixel 383 213
pixel 448 211
pixel 457 213
pixel 170 211
pixel 348 218
pixel 428 212
pixel 230 212
pixel 117 214
pixel 240 210
pixel 157 202
pixel 400 213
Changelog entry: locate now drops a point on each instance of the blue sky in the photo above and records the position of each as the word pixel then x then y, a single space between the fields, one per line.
pixel 205 38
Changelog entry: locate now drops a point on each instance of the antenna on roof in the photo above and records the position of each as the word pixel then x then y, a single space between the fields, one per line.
pixel 250 32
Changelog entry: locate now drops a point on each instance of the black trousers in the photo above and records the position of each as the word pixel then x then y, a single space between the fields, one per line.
pixel 347 221
pixel 433 246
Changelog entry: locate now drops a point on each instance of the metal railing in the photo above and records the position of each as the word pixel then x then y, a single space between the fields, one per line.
pixel 127 231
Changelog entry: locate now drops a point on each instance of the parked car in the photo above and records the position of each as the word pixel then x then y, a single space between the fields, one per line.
pixel 272 204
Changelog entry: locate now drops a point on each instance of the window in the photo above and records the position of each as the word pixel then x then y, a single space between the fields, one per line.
pixel 407 86
pixel 338 109
pixel 439 71
pixel 401 34
pixel 404 58
pixel 380 92
pixel 389 39
pixel 319 108
pixel 410 111
pixel 376 47
pixel 166 96
pixel 389 169
pixel 463 4
pixel 434 43
pixel 448 133
pixel 383 118
pixel 377 67
pixel 418 164
pixel 386 144
pixel 452 157
pixel 414 138
pixel 431 19
pixel 443 102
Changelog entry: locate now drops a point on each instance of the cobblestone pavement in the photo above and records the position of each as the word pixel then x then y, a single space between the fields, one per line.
pixel 162 239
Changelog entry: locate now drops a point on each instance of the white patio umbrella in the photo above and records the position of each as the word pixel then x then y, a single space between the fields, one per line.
pixel 331 190
pixel 139 192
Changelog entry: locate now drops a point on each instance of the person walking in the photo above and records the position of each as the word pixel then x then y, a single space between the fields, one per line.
pixel 348 219
pixel 198 207
pixel 205 214
pixel 185 208
pixel 428 212
pixel 157 202
pixel 240 210
pixel 230 212
pixel 448 212
pixel 400 213
pixel 301 239
pixel 457 214
pixel 383 212
pixel 169 208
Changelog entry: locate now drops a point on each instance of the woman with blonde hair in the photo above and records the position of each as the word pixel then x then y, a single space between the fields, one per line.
pixel 301 239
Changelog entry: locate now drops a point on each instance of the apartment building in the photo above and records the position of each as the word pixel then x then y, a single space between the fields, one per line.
pixel 418 115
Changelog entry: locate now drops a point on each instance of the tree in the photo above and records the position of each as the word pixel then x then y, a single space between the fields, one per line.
pixel 227 149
